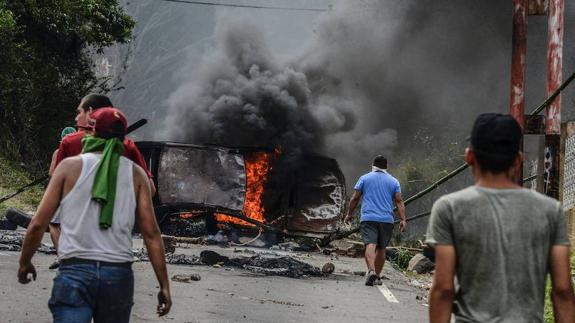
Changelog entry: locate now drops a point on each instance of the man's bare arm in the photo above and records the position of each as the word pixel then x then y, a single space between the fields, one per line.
pixel 146 220
pixel 562 291
pixel 53 163
pixel 152 187
pixel 400 210
pixel 442 291
pixel 40 221
pixel 352 205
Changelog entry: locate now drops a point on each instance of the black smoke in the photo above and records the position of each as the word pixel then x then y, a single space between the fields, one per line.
pixel 412 72
pixel 379 76
pixel 243 97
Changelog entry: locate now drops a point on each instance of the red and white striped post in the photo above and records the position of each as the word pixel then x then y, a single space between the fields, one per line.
pixel 553 111
pixel 518 53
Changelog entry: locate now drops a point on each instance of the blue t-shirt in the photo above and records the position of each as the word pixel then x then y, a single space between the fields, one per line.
pixel 378 191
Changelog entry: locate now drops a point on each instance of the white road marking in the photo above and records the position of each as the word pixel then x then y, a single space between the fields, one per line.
pixel 387 294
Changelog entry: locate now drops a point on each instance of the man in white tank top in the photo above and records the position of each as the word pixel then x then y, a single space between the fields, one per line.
pixel 99 195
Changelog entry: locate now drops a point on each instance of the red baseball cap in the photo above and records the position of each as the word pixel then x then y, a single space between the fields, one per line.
pixel 110 121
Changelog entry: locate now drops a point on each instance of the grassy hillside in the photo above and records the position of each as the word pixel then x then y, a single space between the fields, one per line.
pixel 12 177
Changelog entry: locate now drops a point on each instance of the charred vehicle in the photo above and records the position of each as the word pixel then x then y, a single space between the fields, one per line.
pixel 246 188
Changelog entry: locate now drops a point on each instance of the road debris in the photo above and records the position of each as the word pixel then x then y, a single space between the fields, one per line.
pixel 265 263
pixel 328 268
pixel 180 259
pixel 12 241
pixel 6 224
pixel 15 218
pixel 186 278
pixel 420 264
pixel 287 246
pixel 181 278
pixel 173 259
pixel 193 240
pixel 211 258
pixel 277 266
pixel 248 251
pixel 273 301
pixel 259 300
pixel 178 227
pixel 346 247
pixel 422 282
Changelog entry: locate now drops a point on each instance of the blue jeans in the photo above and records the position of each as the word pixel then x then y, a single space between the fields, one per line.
pixel 85 291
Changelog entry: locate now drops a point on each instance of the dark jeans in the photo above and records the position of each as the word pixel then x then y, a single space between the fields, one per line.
pixel 85 291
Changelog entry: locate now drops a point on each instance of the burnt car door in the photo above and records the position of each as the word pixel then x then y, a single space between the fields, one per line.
pixel 191 177
pixel 318 196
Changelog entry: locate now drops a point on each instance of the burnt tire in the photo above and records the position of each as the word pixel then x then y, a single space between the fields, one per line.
pixel 7 225
pixel 18 217
pixel 178 227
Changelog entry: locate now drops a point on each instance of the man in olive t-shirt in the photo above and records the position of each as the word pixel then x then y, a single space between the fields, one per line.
pixel 499 239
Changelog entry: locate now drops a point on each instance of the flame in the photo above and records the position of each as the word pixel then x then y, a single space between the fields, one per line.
pixel 191 214
pixel 257 167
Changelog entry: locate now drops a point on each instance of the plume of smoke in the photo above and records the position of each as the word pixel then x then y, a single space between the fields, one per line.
pixel 241 96
pixel 402 67
pixel 378 72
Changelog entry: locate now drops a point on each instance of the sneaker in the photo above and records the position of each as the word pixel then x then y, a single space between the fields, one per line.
pixel 370 278
pixel 378 282
pixel 55 264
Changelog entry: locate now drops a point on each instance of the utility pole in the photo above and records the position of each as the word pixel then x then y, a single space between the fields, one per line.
pixel 518 53
pixel 553 111
pixel 552 118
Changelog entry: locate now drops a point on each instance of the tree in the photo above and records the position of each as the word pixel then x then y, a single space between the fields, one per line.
pixel 46 67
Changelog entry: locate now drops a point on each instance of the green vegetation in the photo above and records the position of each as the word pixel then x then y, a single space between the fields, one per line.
pixel 401 258
pixel 548 305
pixel 46 67
pixel 12 177
pixel 429 159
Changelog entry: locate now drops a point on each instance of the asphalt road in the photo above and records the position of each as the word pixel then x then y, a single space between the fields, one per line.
pixel 235 295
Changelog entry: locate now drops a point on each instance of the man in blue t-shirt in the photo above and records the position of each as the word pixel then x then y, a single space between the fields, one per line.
pixel 380 191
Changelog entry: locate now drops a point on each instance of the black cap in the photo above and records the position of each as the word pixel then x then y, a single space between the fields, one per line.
pixel 497 135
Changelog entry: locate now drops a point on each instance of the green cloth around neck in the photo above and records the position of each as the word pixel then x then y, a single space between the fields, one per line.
pixel 104 187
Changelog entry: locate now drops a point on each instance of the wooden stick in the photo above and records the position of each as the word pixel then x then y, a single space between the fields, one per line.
pixel 197 240
pixel 410 249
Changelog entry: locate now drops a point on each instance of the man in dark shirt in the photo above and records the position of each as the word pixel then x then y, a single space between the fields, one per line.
pixel 499 239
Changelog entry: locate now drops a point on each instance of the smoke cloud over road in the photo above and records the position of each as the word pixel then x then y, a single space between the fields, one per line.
pixel 377 75
pixel 242 97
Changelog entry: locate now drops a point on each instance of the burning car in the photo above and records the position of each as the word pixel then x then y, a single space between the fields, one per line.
pixel 244 187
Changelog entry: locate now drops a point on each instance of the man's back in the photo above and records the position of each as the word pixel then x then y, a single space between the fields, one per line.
pixel 502 239
pixel 378 190
pixel 81 235
pixel 100 195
